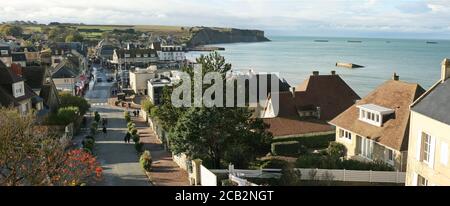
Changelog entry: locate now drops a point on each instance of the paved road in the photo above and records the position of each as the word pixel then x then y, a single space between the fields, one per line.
pixel 119 160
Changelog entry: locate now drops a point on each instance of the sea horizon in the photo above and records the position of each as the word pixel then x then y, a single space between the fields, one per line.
pixel 296 57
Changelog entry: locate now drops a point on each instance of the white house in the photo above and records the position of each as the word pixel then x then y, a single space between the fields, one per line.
pixel 139 78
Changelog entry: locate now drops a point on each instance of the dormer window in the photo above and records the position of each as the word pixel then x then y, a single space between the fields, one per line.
pixel 18 89
pixel 373 114
pixel 138 55
pixel 146 55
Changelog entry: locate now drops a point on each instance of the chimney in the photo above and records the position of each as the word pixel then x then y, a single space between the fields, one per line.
pixel 333 72
pixel 395 77
pixel 316 73
pixel 445 70
pixel 293 92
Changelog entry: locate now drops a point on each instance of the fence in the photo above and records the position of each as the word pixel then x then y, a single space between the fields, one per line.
pixel 353 175
pixel 240 181
pixel 207 177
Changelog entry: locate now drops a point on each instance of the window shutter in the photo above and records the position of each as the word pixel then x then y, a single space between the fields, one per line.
pixel 419 146
pixel 444 153
pixel 433 151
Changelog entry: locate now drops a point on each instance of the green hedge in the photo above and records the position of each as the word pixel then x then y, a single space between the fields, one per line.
pixel 291 148
pixel 311 142
pixel 327 162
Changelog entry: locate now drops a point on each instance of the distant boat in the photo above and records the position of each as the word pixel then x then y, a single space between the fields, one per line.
pixel 320 40
pixel 352 41
pixel 431 42
pixel 348 65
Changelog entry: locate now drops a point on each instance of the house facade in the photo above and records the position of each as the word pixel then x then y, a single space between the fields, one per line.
pixel 5 54
pixel 376 128
pixel 65 77
pixel 429 137
pixel 134 56
pixel 15 93
pixel 171 53
pixel 139 78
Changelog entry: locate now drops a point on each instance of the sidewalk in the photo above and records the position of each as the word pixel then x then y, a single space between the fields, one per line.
pixel 165 172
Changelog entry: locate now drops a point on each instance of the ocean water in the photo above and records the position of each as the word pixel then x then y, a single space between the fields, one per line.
pixel 295 58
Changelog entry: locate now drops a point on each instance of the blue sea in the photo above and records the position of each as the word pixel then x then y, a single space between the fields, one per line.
pixel 295 58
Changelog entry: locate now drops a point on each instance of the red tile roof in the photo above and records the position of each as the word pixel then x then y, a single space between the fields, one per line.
pixel 329 92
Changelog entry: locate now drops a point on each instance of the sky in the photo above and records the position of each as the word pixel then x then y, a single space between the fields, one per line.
pixel 364 18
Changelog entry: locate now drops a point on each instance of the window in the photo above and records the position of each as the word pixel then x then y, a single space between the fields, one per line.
pixel 145 55
pixel 345 134
pixel 390 155
pixel 366 148
pixel 127 55
pixel 138 55
pixel 426 141
pixel 421 181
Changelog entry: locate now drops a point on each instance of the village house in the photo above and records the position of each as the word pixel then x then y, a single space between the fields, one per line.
pixel 169 52
pixel 429 135
pixel 65 77
pixel 31 54
pixel 135 57
pixel 139 78
pixel 156 86
pixel 377 127
pixel 105 50
pixel 5 54
pixel 305 110
pixel 60 50
pixel 19 58
pixel 39 80
pixel 15 93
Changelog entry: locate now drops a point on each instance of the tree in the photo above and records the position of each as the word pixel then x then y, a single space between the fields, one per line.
pixel 147 105
pixel 31 156
pixel 12 30
pixel 68 100
pixel 64 116
pixel 218 134
pixel 74 37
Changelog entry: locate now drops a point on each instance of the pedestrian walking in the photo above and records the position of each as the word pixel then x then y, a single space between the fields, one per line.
pixel 134 113
pixel 104 131
pixel 127 137
pixel 137 111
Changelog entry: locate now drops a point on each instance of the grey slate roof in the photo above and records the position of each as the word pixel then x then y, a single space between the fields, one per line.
pixel 436 104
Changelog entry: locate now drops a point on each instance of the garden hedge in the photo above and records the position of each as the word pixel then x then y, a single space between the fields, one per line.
pixel 310 142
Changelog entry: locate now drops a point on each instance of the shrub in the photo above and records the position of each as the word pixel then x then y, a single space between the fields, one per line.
pixel 274 164
pixel 135 138
pixel 310 161
pixel 134 131
pixel 146 160
pixel 127 116
pixel 336 150
pixel 94 128
pixel 90 137
pixel 374 166
pixel 64 116
pixel 147 105
pixel 291 148
pixel 311 142
pixel 88 145
pixel 97 116
pixel 138 146
pixel 130 125
pixel 68 100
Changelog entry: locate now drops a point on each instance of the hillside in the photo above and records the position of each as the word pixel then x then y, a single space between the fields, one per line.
pixel 191 36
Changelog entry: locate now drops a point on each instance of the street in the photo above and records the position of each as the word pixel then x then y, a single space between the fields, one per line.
pixel 119 160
